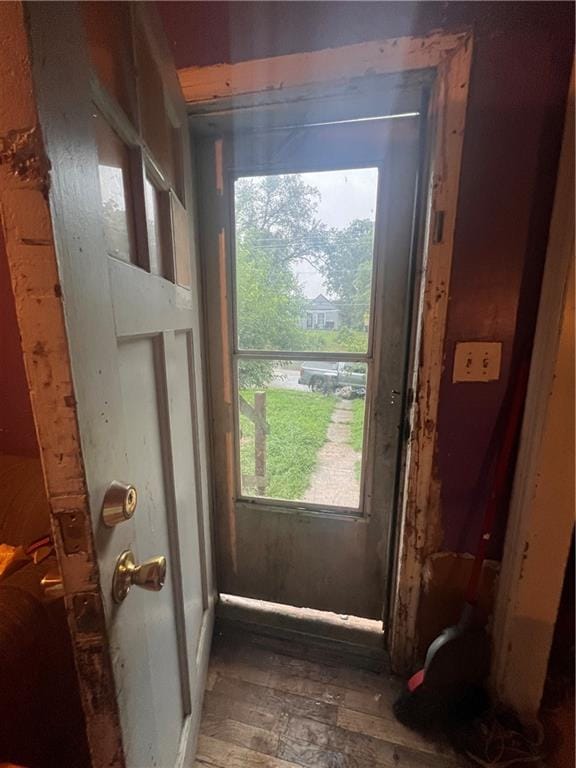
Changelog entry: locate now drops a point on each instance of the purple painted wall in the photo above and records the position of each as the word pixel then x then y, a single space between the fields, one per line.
pixel 522 59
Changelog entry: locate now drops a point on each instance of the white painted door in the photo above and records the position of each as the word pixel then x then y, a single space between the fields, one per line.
pixel 114 131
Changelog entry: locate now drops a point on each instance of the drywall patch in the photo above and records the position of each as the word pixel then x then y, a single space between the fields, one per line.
pixel 22 152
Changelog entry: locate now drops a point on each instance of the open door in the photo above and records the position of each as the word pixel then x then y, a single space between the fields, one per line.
pixel 102 254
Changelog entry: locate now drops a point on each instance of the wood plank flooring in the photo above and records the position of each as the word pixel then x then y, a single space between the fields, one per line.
pixel 269 705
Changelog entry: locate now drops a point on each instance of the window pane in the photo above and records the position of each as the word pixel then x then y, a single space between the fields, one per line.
pixel 156 244
pixel 108 34
pixel 301 430
pixel 156 128
pixel 177 161
pixel 115 192
pixel 304 260
pixel 182 253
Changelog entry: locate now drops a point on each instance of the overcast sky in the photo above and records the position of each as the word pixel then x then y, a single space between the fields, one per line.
pixel 345 196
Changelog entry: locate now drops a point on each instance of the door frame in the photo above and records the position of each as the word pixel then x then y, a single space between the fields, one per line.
pixel 262 82
pixel 537 545
pixel 31 248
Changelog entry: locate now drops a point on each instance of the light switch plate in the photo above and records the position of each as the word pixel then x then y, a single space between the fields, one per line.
pixel 477 361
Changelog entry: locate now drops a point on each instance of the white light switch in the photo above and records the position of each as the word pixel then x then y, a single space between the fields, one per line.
pixel 477 361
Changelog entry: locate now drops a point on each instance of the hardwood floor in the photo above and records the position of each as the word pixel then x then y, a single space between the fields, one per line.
pixel 272 703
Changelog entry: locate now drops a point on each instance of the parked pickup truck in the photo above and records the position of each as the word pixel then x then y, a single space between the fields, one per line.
pixel 334 377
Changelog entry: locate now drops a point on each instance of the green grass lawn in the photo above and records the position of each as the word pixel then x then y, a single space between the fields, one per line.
pixel 298 424
pixel 357 425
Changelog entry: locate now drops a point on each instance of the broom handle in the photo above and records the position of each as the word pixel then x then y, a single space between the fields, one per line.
pixel 499 482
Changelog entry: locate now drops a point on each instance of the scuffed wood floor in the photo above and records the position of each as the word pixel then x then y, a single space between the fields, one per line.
pixel 268 704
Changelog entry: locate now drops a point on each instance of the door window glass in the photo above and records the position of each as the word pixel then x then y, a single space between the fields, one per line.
pixel 305 247
pixel 304 263
pixel 114 170
pixel 156 227
pixel 301 430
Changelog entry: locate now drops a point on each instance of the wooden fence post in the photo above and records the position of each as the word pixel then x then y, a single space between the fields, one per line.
pixel 260 442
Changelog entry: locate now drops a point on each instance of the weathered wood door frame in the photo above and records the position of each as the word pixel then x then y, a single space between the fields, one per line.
pixel 541 521
pixel 449 56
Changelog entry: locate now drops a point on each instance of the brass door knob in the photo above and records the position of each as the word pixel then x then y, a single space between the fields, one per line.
pixel 149 575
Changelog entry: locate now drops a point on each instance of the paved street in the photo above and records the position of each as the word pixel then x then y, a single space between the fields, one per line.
pixel 286 378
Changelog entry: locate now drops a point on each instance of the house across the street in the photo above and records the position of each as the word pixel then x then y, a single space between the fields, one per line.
pixel 321 314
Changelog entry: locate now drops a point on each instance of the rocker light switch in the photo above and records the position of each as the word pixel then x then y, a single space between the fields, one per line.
pixel 477 361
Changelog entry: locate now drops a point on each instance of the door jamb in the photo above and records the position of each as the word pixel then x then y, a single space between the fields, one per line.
pixel 541 518
pixel 450 56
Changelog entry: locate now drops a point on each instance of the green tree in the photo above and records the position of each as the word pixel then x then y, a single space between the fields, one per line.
pixel 363 289
pixel 279 214
pixel 275 219
pixel 277 228
pixel 269 306
pixel 347 269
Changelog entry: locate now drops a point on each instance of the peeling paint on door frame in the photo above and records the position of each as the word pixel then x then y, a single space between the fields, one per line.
pixel 27 227
pixel 541 521
pixel 450 56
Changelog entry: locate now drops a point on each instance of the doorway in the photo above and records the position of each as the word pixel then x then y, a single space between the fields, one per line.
pixel 309 303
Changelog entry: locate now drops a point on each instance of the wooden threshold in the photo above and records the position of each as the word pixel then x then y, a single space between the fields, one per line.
pixel 360 641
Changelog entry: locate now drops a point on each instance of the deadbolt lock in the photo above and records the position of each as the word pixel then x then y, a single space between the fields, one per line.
pixel 119 503
pixel 149 575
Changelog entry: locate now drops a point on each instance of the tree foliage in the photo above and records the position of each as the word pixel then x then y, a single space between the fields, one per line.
pixel 269 304
pixel 279 213
pixel 273 216
pixel 278 228
pixel 347 269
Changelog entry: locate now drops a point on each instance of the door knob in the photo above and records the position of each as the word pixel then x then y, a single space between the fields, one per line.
pixel 149 575
pixel 119 503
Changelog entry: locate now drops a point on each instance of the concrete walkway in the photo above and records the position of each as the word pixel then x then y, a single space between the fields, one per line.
pixel 334 479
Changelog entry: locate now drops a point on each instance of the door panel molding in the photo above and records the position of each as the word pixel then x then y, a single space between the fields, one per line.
pixel 159 302
pixel 447 58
